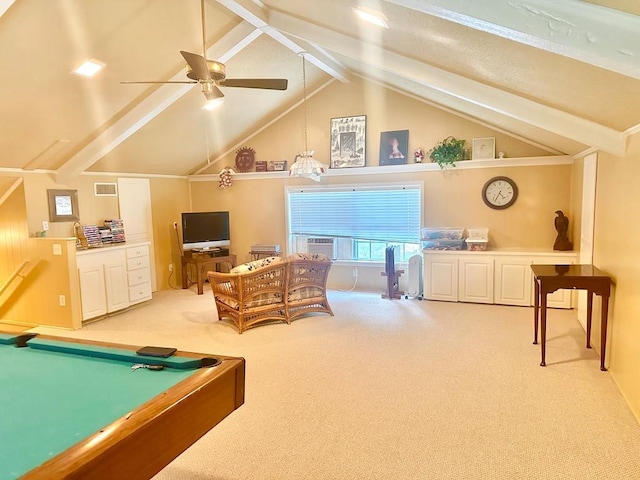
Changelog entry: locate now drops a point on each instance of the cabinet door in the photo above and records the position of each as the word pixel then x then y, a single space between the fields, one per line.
pixel 117 288
pixel 513 280
pixel 92 291
pixel 441 278
pixel 475 280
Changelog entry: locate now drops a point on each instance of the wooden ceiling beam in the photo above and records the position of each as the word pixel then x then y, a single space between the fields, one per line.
pixel 459 90
pixel 603 37
pixel 258 16
pixel 156 102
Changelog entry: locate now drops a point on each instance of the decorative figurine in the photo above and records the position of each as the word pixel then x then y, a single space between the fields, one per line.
pixel 562 226
pixel 225 177
pixel 418 155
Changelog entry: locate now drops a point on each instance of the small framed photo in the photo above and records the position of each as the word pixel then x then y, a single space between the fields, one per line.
pixel 261 166
pixel 348 141
pixel 63 205
pixel 394 147
pixel 483 148
pixel 277 166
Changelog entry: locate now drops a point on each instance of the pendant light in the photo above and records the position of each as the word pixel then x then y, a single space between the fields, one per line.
pixel 305 165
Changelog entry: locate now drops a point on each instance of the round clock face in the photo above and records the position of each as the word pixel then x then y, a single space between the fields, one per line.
pixel 245 158
pixel 499 192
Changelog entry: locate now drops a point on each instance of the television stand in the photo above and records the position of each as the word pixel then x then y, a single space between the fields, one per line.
pixel 203 261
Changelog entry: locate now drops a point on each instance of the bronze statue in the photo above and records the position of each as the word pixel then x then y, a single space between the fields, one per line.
pixel 562 226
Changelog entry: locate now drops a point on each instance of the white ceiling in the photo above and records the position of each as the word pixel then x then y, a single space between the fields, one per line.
pixel 564 74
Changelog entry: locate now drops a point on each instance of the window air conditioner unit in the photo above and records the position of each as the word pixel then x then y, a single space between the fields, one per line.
pixel 324 246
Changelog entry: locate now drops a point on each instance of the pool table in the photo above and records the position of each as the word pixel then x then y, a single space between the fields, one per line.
pixel 78 409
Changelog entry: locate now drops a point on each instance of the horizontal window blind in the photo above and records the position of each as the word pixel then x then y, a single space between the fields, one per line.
pixel 389 213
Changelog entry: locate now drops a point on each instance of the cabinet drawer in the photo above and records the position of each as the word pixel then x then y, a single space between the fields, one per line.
pixel 138 262
pixel 139 293
pixel 136 277
pixel 141 251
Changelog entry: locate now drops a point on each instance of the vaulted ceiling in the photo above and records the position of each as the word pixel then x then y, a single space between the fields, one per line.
pixel 564 74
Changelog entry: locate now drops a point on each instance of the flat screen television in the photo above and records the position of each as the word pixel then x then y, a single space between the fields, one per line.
pixel 205 230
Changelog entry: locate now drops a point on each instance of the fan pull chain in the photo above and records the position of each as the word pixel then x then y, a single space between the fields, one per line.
pixel 304 101
pixel 204 46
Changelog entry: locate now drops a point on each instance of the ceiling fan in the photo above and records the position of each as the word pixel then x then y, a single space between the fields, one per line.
pixel 211 74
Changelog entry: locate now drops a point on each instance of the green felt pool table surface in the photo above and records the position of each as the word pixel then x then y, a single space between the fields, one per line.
pixel 83 402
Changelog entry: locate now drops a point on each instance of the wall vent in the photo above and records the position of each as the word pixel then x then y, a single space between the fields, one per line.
pixel 105 189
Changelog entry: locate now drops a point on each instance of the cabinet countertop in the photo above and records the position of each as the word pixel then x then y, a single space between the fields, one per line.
pixel 112 246
pixel 506 251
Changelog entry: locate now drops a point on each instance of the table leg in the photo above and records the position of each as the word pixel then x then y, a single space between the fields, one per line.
pixel 536 306
pixel 185 265
pixel 589 312
pixel 543 326
pixel 603 331
pixel 199 268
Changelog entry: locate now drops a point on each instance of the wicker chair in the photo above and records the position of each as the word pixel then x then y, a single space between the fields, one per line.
pixel 306 287
pixel 251 296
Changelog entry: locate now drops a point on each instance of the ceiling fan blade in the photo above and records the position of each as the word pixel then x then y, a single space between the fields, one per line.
pixel 152 81
pixel 198 65
pixel 268 83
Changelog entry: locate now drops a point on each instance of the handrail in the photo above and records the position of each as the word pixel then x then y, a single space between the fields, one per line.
pixel 13 276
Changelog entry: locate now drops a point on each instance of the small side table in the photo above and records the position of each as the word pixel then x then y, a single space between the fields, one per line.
pixel 549 278
pixel 202 261
pixel 257 255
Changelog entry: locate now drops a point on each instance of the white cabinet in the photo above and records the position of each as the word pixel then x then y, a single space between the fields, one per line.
pixel 475 279
pixel 112 278
pixel 501 277
pixel 92 290
pixel 441 278
pixel 138 274
pixel 513 279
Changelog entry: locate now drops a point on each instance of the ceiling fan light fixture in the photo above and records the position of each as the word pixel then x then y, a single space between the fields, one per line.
pixel 214 96
pixel 305 165
pixel 308 167
pixel 213 103
pixel 372 16
pixel 89 68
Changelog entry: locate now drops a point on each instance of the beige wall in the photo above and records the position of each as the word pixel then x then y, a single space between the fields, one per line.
pixel 33 297
pixel 616 252
pixel 169 197
pixel 386 110
pixel 13 250
pixel 451 198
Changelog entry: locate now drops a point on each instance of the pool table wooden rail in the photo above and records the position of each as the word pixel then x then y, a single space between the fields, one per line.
pixel 140 444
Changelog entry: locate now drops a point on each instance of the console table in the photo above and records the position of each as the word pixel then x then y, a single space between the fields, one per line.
pixel 202 261
pixel 549 278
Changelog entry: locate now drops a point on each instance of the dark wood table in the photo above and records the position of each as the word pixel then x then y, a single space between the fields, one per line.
pixel 549 278
pixel 203 261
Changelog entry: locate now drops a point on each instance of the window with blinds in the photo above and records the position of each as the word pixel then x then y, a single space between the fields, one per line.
pixel 362 220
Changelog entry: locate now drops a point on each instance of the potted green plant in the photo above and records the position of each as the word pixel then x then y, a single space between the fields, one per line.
pixel 447 152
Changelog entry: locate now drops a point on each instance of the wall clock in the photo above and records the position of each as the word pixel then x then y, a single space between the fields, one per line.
pixel 499 193
pixel 245 158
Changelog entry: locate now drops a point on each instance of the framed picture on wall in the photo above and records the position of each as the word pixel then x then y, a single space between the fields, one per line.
pixel 277 166
pixel 63 205
pixel 483 148
pixel 394 147
pixel 348 141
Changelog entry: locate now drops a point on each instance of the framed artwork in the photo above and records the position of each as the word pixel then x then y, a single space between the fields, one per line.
pixel 348 141
pixel 277 166
pixel 483 148
pixel 394 147
pixel 63 205
pixel 261 166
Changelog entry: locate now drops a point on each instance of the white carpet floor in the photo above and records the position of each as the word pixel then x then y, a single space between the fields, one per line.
pixel 396 389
